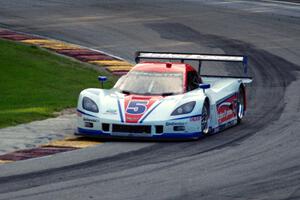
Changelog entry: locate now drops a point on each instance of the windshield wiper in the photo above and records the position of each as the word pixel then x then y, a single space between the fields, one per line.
pixel 163 94
pixel 125 92
pixel 167 93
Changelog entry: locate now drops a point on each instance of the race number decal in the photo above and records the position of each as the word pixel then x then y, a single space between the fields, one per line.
pixel 137 107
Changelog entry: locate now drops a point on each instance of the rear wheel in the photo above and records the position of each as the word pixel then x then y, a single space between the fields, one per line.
pixel 240 105
pixel 205 118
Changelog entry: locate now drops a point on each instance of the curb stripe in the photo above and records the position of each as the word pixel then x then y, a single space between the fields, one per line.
pixel 5 161
pixel 34 153
pixel 54 147
pixel 38 41
pixel 118 68
pixel 73 142
pixel 115 65
pixel 119 73
pixel 76 52
pixel 111 63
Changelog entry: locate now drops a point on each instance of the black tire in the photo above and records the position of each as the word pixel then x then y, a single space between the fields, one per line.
pixel 240 105
pixel 205 118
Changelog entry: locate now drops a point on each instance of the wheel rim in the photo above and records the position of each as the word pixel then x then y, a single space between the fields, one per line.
pixel 204 120
pixel 241 107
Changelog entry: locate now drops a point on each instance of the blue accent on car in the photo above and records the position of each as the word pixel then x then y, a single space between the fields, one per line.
pixel 178 135
pixel 144 117
pixel 98 133
pixel 225 98
pixel 204 86
pixel 245 62
pixel 120 111
pixel 85 113
pixel 186 117
pixel 89 132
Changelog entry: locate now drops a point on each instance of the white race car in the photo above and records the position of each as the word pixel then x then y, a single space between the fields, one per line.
pixel 164 100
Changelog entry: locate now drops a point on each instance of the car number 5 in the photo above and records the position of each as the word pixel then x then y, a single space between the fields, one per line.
pixel 136 107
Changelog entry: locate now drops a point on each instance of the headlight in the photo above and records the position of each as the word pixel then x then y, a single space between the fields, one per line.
pixel 185 108
pixel 89 104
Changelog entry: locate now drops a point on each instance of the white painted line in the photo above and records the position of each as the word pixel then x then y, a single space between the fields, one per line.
pixel 282 2
pixel 226 2
pixel 259 10
pixel 44 37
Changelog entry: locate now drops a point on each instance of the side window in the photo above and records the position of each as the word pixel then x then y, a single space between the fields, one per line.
pixel 193 80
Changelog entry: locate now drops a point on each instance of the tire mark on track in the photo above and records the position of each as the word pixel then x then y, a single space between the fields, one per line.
pixel 271 73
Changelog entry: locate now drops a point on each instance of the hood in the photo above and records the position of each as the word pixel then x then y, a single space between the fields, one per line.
pixel 139 108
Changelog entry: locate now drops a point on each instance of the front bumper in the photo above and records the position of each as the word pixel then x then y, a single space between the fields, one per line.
pixel 101 134
pixel 181 128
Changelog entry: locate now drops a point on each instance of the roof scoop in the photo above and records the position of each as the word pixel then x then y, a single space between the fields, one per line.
pixel 168 65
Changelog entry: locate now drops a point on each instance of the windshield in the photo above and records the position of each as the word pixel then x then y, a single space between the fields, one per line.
pixel 151 83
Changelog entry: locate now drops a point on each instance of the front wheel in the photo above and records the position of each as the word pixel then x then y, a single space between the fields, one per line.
pixel 205 118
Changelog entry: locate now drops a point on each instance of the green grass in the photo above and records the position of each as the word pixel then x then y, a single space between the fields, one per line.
pixel 35 83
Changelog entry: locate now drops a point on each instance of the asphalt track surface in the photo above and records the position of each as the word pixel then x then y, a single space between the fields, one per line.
pixel 257 160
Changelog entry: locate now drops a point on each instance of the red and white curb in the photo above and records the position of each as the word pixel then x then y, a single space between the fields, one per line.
pixel 113 64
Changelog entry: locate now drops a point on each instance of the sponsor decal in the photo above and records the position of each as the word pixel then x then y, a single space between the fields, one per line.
pixel 90 120
pixel 225 125
pixel 175 123
pixel 111 111
pixel 215 130
pixel 133 118
pixel 227 109
pixel 194 119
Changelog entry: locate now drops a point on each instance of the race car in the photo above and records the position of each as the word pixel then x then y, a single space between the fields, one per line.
pixel 162 99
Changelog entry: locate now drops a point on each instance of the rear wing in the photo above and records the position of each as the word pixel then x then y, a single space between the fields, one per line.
pixel 195 57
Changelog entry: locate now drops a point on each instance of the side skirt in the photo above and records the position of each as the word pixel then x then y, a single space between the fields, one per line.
pixel 224 126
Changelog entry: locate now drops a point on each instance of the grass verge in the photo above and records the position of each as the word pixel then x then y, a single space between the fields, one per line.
pixel 35 83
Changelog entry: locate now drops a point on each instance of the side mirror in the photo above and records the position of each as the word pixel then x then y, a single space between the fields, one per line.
pixel 204 86
pixel 102 79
